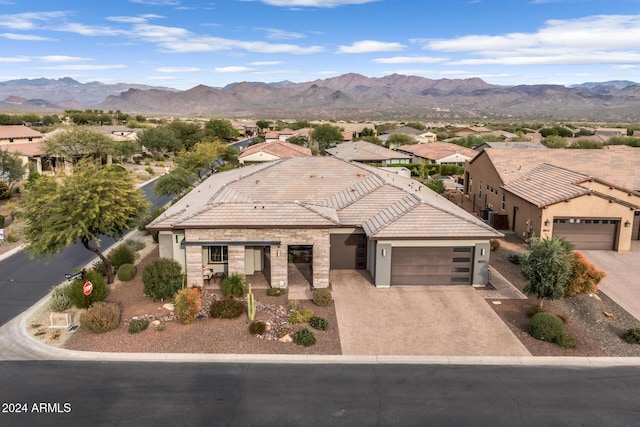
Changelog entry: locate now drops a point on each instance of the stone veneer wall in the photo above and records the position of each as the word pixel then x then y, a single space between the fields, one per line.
pixel 318 238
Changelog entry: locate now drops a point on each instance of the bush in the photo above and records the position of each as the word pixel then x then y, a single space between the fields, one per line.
pixel 1 221
pixel 234 285
pixel 122 254
pixel 59 300
pixel 138 325
pixel 160 327
pixel 322 297
pixel 304 337
pixel 127 272
pixel 515 259
pixel 632 336
pixel 257 328
pixel 135 244
pixel 99 267
pixel 283 330
pixel 301 316
pixel 149 170
pixel 226 309
pixel 546 326
pixel 98 293
pixel 276 292
pixel 187 305
pixel 568 341
pixel 103 316
pixel 162 278
pixel 319 323
pixel 584 278
pixel 5 193
pixel 494 245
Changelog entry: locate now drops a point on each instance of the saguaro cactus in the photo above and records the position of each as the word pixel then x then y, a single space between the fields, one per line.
pixel 251 305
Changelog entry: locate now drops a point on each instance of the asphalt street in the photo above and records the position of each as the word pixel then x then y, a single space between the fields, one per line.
pixel 24 281
pixel 141 394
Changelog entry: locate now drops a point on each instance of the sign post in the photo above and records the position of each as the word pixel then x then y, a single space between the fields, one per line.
pixel 87 288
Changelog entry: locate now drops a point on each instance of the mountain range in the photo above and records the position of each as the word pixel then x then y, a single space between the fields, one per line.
pixel 349 96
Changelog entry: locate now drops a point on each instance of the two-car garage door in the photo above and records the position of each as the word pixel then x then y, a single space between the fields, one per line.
pixel 431 265
pixel 587 233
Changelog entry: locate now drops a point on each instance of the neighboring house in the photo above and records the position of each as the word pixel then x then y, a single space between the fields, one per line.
pixel 366 152
pixel 346 136
pixel 589 197
pixel 268 151
pixel 118 133
pixel 510 144
pixel 503 135
pixel 356 129
pixel 610 132
pixel 18 133
pixel 246 128
pixel 438 152
pixel 278 135
pixel 472 130
pixel 27 143
pixel 427 137
pixel 407 130
pixel 341 215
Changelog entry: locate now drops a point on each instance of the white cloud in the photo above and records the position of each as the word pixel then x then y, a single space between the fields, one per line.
pixel 29 20
pixel 178 69
pixel 277 34
pixel 12 60
pixel 140 19
pixel 82 67
pixel 314 3
pixel 62 58
pixel 369 46
pixel 259 63
pixel 90 30
pixel 157 2
pixel 232 69
pixel 409 60
pixel 25 37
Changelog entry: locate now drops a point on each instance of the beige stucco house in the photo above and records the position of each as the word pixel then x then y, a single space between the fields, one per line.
pixel 366 152
pixel 269 151
pixel 340 215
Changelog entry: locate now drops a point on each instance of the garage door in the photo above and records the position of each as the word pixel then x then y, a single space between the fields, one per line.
pixel 587 233
pixel 431 266
pixel 635 233
pixel 348 251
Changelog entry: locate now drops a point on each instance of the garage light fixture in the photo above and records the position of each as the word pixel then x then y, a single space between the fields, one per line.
pixel 627 223
pixel 384 252
pixel 547 222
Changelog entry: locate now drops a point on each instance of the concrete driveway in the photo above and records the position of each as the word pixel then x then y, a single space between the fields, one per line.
pixel 429 320
pixel 622 283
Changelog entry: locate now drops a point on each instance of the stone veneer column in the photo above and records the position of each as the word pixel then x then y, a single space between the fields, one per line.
pixel 321 263
pixel 236 259
pixel 194 266
pixel 279 272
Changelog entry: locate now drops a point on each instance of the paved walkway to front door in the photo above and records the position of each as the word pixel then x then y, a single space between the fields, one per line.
pixel 417 320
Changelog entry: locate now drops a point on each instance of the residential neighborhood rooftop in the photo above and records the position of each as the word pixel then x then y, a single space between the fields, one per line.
pixel 364 151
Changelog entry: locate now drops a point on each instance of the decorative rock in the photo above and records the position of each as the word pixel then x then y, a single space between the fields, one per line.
pixel 286 338
pixel 155 323
pixel 168 306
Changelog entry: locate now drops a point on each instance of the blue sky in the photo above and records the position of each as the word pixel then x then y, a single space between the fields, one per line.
pixel 183 43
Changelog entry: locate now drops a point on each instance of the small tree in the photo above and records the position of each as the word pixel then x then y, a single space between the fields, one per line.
pixel 399 139
pixel 159 140
pixel 584 278
pixel 547 269
pixel 78 143
pixel 221 129
pixel 263 124
pixel 325 136
pixel 12 170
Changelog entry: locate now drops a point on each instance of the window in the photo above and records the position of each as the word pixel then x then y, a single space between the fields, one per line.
pixel 458 249
pixel 503 206
pixel 218 254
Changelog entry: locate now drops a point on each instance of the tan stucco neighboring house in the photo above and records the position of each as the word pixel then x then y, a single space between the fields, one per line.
pixel 341 215
pixel 10 134
pixel 438 152
pixel 473 130
pixel 268 151
pixel 589 197
pixel 366 152
pixel 28 144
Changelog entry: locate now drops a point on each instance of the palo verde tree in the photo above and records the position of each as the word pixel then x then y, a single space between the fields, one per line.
pixel 93 202
pixel 77 143
pixel 547 268
pixel 326 136
pixel 159 140
pixel 12 169
pixel 221 129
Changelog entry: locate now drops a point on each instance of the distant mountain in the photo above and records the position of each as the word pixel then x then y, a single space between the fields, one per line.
pixel 350 96
pixel 618 84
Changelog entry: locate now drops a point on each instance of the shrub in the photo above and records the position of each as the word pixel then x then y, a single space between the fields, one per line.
pixel 301 316
pixel 494 245
pixel 103 316
pixel 149 170
pixel 322 297
pixel 234 285
pixel 5 192
pixel 99 267
pixel 257 328
pixel 533 310
pixel 187 305
pixel 98 293
pixel 160 327
pixel 546 326
pixel 515 259
pixel 1 221
pixel 162 278
pixel 135 244
pixel 276 292
pixel 632 336
pixel 11 236
pixel 319 323
pixel 283 330
pixel 127 272
pixel 584 278
pixel 226 309
pixel 59 300
pixel 568 341
pixel 304 337
pixel 138 325
pixel 122 254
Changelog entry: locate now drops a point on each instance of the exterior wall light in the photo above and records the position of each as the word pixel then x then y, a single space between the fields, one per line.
pixel 627 223
pixel 547 223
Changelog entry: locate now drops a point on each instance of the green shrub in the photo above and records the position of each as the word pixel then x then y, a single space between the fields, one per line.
pixel 257 328
pixel 103 316
pixel 301 316
pixel 515 259
pixel 568 341
pixel 59 300
pixel 1 221
pixel 234 285
pixel 149 170
pixel 632 336
pixel 99 292
pixel 319 323
pixel 283 330
pixel 5 193
pixel 547 326
pixel 162 278
pixel 187 305
pixel 99 267
pixel 226 309
pixel 127 272
pixel 533 310
pixel 135 244
pixel 138 325
pixel 276 292
pixel 322 297
pixel 160 327
pixel 11 236
pixel 304 337
pixel 494 245
pixel 122 254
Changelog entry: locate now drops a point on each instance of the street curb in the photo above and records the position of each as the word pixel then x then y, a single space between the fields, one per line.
pixel 11 252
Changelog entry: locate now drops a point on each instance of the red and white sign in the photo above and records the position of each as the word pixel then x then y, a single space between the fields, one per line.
pixel 87 288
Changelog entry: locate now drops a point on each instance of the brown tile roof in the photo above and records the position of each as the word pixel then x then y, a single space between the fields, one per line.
pixel 322 192
pixel 25 148
pixel 617 164
pixel 437 150
pixel 277 148
pixel 364 151
pixel 18 132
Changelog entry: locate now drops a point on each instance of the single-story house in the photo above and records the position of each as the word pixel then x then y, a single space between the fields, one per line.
pixel 356 129
pixel 18 133
pixel 589 197
pixel 510 144
pixel 438 152
pixel 611 132
pixel 366 152
pixel 278 135
pixel 473 130
pixel 268 151
pixel 339 214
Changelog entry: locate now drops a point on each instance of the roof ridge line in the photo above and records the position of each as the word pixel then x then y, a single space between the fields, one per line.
pixel 309 208
pixel 394 217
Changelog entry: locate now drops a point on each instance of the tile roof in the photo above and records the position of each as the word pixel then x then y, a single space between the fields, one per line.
pixel 364 151
pixel 24 148
pixel 437 150
pixel 279 149
pixel 18 131
pixel 322 192
pixel 615 164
